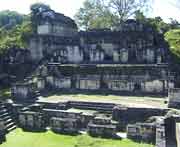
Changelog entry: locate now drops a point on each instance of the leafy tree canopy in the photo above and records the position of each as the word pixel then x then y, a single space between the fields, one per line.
pixel 16 37
pixel 173 38
pixel 107 13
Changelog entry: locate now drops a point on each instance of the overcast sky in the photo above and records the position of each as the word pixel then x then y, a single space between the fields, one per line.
pixel 69 7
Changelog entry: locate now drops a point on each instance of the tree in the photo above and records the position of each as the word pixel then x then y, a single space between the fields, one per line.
pixel 94 14
pixel 127 8
pixel 159 24
pixel 9 19
pixel 174 24
pixel 139 16
pixel 107 13
pixel 16 37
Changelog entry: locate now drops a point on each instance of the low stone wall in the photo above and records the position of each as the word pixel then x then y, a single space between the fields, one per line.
pixel 142 132
pixel 56 106
pixel 64 125
pixel 2 131
pixel 125 115
pixel 23 92
pixel 104 107
pixel 30 120
pixel 108 131
pixel 103 127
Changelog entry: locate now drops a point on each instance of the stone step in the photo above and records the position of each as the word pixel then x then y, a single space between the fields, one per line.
pixel 3 111
pixel 8 121
pixel 11 128
pixel 6 117
pixel 9 125
pixel 94 108
pixel 2 106
pixel 4 114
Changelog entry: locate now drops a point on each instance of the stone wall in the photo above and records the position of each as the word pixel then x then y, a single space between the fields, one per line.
pixel 47 29
pixel 75 54
pixel 64 125
pixel 88 84
pixel 2 131
pixel 142 132
pixel 139 79
pixel 36 49
pixel 62 83
pixel 154 86
pixel 127 115
pixel 96 56
pixel 30 120
pixel 23 92
pixel 160 133
pixel 120 85
pixel 98 45
pixel 58 82
pixel 103 127
pixel 174 97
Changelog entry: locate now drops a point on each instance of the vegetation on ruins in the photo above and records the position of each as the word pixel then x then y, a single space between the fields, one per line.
pixel 9 19
pixel 108 13
pixel 95 15
pixel 16 37
pixel 16 28
pixel 98 14
pixel 173 37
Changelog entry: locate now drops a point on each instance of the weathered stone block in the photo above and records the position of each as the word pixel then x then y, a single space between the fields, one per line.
pixel 23 91
pixel 174 97
pixel 102 130
pixel 64 125
pixel 144 132
pixel 30 120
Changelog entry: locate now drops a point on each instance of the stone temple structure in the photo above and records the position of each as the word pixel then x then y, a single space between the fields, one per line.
pixel 130 59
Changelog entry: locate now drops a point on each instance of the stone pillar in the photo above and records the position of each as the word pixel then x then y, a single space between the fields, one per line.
pixel 160 133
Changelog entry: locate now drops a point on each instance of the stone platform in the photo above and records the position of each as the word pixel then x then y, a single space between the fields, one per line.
pixel 137 102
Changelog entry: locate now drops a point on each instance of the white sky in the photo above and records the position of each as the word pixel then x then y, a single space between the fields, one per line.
pixel 69 7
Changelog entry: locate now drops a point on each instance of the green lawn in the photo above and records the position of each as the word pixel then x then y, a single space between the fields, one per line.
pixel 124 100
pixel 5 93
pixel 18 138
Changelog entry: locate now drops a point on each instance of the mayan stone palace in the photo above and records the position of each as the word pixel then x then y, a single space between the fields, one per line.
pixel 131 59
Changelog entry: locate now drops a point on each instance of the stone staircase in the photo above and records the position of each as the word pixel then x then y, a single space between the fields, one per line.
pixel 103 107
pixel 6 116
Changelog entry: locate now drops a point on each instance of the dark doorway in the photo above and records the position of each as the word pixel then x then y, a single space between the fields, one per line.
pixel 137 87
pixel 170 132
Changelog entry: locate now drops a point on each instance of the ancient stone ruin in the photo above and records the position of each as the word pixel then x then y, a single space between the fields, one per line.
pixel 129 60
pixel 174 98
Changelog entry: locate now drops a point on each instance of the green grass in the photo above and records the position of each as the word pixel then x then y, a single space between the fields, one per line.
pixel 18 138
pixel 5 93
pixel 125 100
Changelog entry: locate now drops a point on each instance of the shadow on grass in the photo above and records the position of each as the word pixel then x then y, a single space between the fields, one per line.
pixel 34 130
pixel 66 133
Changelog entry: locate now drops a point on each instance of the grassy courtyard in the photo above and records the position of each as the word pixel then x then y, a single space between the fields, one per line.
pixel 131 101
pixel 18 138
